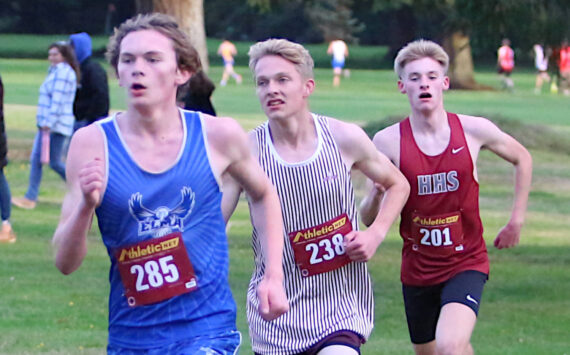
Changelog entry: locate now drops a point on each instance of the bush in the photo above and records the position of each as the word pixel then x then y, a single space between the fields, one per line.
pixel 532 136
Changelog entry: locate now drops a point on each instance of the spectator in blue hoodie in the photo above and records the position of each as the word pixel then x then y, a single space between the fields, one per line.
pixel 92 97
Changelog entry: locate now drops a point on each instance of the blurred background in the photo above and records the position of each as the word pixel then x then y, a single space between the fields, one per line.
pixel 390 23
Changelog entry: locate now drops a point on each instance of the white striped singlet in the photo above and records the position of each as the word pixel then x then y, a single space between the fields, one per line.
pixel 311 192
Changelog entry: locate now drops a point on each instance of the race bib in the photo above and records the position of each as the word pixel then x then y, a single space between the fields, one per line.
pixel 155 270
pixel 438 236
pixel 321 249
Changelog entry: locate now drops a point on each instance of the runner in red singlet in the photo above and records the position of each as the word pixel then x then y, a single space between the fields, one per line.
pixel 506 64
pixel 565 68
pixel 444 258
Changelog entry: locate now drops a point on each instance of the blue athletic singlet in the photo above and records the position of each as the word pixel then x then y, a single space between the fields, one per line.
pixel 138 206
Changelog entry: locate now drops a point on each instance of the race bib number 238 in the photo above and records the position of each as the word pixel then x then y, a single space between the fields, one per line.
pixel 320 249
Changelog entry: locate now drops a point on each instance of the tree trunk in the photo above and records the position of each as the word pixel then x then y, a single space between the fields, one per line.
pixel 461 72
pixel 190 16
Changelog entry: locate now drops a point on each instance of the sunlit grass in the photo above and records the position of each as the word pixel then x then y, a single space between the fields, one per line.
pixel 525 308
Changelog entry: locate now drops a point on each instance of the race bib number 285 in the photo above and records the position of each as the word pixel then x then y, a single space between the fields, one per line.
pixel 155 270
pixel 320 249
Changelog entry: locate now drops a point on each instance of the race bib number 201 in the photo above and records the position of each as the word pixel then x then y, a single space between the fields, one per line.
pixel 440 235
pixel 155 270
pixel 320 249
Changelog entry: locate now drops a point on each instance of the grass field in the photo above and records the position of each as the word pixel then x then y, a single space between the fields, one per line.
pixel 525 308
pixel 35 46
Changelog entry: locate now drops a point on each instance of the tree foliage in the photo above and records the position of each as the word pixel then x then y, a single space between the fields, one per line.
pixel 286 19
pixel 460 25
pixel 385 22
pixel 525 22
pixel 332 18
pixel 59 16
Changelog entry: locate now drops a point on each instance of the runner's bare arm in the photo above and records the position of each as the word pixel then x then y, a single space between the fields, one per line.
pixel 370 204
pixel 230 141
pixel 230 198
pixel 492 138
pixel 232 189
pixel 357 148
pixel 387 142
pixel 85 174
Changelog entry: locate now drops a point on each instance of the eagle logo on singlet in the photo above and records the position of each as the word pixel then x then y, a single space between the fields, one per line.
pixel 163 220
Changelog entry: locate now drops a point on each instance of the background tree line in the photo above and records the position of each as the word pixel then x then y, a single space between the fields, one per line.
pixel 480 24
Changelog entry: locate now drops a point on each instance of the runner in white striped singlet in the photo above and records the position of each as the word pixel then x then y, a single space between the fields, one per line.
pixel 309 160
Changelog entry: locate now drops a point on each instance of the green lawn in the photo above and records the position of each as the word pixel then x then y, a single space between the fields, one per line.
pixel 525 308
pixel 35 46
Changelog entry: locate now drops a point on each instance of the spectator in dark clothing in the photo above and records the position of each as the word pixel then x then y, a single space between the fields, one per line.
pixel 6 233
pixel 195 94
pixel 92 98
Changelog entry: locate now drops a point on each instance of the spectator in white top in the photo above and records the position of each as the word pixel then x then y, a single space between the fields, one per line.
pixel 54 116
pixel 541 64
pixel 339 51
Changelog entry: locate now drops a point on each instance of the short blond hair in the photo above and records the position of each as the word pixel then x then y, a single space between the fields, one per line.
pixel 187 57
pixel 291 51
pixel 417 50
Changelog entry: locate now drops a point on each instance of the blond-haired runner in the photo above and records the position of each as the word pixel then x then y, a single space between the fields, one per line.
pixel 444 257
pixel 309 158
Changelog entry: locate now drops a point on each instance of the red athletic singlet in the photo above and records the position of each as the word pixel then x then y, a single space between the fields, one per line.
pixel 440 224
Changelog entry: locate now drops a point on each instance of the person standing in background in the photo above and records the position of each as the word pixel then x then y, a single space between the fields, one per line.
pixel 339 51
pixel 541 65
pixel 54 118
pixel 110 18
pixel 565 68
pixel 506 64
pixel 6 233
pixel 227 50
pixel 92 96
pixel 196 94
pixel 553 68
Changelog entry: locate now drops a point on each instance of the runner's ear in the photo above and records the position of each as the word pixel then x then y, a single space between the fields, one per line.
pixel 182 76
pixel 401 87
pixel 445 82
pixel 308 88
